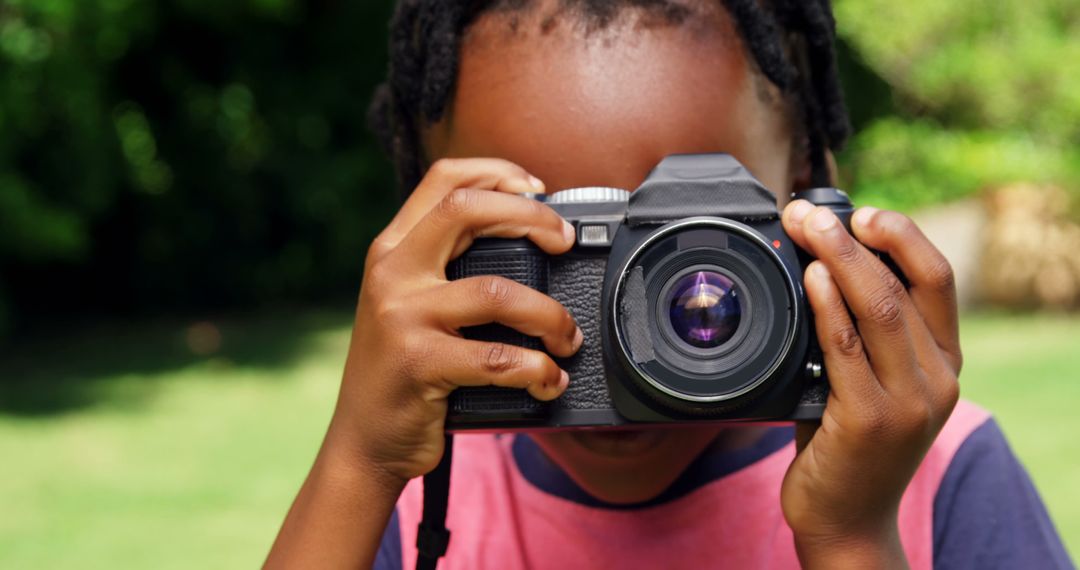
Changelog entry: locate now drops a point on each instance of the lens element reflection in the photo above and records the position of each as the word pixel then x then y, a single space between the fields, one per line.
pixel 704 309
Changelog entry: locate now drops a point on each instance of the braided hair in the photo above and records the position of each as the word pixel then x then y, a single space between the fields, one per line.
pixel 792 42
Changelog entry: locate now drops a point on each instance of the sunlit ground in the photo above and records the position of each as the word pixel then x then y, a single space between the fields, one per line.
pixel 121 448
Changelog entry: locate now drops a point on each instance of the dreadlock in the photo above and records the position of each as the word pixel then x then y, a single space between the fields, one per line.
pixel 792 42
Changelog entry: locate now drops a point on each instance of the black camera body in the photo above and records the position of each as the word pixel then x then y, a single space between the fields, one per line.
pixel 690 298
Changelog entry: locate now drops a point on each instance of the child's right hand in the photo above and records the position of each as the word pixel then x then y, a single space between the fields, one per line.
pixel 406 354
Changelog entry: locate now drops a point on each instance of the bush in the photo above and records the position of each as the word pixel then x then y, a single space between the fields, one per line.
pixel 984 94
pixel 159 155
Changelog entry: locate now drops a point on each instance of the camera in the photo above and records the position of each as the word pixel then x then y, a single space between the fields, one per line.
pixel 690 298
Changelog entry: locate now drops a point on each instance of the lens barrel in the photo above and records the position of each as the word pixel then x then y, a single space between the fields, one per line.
pixel 705 313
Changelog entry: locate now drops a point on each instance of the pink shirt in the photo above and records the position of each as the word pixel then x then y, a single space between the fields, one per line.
pixel 499 519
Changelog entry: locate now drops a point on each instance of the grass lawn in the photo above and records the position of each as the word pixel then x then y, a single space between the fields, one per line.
pixel 123 449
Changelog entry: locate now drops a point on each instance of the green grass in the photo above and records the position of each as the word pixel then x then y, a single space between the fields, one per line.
pixel 189 466
pixel 122 449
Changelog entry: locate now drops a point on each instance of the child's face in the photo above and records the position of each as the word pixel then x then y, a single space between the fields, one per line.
pixel 603 108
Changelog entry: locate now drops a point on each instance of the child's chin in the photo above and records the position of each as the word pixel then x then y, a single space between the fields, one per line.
pixel 620 442
pixel 626 465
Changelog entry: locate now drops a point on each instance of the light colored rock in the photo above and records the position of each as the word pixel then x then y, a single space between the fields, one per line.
pixel 956 229
pixel 1031 249
pixel 1014 247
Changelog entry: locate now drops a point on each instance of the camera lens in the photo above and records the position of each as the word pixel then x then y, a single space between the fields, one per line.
pixel 704 309
pixel 705 313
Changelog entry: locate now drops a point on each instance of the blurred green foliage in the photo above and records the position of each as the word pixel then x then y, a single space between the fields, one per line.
pixel 159 156
pixel 186 153
pixel 983 93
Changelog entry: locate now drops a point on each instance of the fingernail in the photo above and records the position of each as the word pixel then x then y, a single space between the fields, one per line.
pixel 863 216
pixel 799 210
pixel 578 339
pixel 823 220
pixel 819 271
pixel 568 231
pixel 564 380
pixel 536 183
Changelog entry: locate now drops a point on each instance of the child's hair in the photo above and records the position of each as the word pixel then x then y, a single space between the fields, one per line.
pixel 791 42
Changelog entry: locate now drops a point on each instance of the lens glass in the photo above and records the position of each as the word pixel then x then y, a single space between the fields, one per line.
pixel 704 308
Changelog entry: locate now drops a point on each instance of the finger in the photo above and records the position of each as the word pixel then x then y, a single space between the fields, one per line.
pixel 476 363
pixel 933 286
pixel 792 218
pixel 928 350
pixel 466 214
pixel 493 299
pixel 449 174
pixel 875 296
pixel 851 379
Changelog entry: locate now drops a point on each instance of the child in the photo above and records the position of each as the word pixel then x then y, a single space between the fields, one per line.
pixel 595 92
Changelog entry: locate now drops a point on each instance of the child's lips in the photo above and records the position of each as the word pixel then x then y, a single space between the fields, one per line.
pixel 619 442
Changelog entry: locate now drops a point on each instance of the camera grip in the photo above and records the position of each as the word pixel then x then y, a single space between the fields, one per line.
pixel 573 280
pixel 521 261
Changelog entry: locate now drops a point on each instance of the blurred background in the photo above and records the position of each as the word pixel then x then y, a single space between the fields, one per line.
pixel 187 189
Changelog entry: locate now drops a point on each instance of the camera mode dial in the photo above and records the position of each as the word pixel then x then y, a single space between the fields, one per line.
pixel 589 194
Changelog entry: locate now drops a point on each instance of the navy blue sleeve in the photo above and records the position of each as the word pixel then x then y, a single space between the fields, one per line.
pixel 987 513
pixel 389 555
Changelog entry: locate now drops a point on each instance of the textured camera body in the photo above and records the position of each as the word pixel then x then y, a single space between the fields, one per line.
pixel 693 213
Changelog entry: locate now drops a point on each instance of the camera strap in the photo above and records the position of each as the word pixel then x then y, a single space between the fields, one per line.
pixel 432 536
pixel 687 185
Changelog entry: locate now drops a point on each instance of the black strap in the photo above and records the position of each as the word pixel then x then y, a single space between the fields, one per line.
pixel 686 185
pixel 432 536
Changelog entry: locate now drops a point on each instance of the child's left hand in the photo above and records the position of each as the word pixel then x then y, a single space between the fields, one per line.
pixel 893 377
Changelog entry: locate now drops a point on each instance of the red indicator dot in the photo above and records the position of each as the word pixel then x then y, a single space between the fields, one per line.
pixel 776 243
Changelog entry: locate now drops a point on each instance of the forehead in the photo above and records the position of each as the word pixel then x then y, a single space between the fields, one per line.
pixel 601 107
